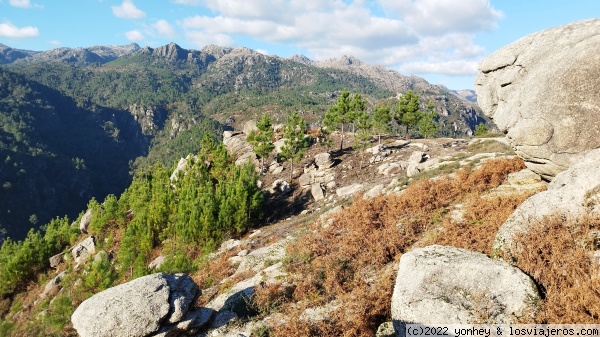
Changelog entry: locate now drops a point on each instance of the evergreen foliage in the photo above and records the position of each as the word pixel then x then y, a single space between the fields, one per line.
pixel 20 261
pixel 262 140
pixel 481 130
pixel 212 200
pixel 296 140
pixel 427 125
pixel 407 112
pixel 343 112
pixel 364 124
pixel 381 120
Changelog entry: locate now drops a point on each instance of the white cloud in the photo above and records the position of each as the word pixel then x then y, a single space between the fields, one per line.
pixel 188 2
pixel 9 30
pixel 134 35
pixel 55 42
pixel 443 16
pixel 127 10
pixel 201 39
pixel 164 28
pixel 419 36
pixel 454 68
pixel 20 3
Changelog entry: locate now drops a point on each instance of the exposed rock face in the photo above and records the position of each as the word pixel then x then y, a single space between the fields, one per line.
pixel 85 221
pixel 138 308
pixel 250 126
pixel 317 192
pixel 237 145
pixel 542 90
pixel 349 190
pixel 82 250
pixel 448 285
pixel 572 193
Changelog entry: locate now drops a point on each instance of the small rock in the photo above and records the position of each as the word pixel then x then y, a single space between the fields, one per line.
pixel 281 186
pixel 56 259
pixel 386 330
pixel 416 157
pixel 83 249
pixel 317 192
pixel 413 169
pixel 349 190
pixel 157 262
pixel 278 170
pixel 323 160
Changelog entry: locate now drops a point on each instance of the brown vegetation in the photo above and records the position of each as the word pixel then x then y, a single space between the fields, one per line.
pixel 351 261
pixel 557 254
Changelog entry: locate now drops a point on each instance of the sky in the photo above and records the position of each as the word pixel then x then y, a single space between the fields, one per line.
pixel 442 41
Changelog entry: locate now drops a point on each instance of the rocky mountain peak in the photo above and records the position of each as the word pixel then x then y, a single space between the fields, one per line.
pixel 172 51
pixel 216 51
pixel 300 59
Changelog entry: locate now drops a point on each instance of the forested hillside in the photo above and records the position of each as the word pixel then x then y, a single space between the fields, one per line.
pixel 93 117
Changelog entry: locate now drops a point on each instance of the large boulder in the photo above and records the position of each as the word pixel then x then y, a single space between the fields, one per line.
pixel 323 160
pixel 542 90
pixel 141 307
pixel 448 285
pixel 86 220
pixel 573 193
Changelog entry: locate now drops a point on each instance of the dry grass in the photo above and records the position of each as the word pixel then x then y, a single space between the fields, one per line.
pixel 351 260
pixel 557 255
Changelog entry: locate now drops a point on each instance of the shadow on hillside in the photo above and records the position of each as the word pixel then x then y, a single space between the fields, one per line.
pixel 281 207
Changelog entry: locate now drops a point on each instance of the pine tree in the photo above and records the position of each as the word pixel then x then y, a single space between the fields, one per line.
pixel 344 111
pixel 427 125
pixel 381 120
pixel 361 139
pixel 262 140
pixel 296 141
pixel 407 111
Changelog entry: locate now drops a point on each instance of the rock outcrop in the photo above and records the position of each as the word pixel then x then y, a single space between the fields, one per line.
pixel 448 285
pixel 82 250
pixel 542 91
pixel 157 303
pixel 573 193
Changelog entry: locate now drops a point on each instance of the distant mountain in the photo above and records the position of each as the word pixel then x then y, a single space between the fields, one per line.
pixel 10 55
pixel 469 95
pixel 93 114
pixel 95 54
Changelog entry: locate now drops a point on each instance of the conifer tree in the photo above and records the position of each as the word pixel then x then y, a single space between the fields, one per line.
pixel 296 141
pixel 407 111
pixel 262 140
pixel 381 120
pixel 361 139
pixel 427 125
pixel 344 111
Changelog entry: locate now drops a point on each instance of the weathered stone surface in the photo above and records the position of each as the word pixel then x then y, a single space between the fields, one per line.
pixel 183 293
pixel 132 309
pixel 157 262
pixel 542 91
pixel 281 186
pixel 317 192
pixel 374 191
pixel 524 181
pixel 323 160
pixel 249 126
pixel 56 260
pixel 135 308
pixel 572 193
pixel 446 285
pixel 83 249
pixel 349 190
pixel 385 330
pixel 305 179
pixel 389 169
pixel 53 286
pixel 86 219
pixel 413 169
pixel 240 148
pixel 416 157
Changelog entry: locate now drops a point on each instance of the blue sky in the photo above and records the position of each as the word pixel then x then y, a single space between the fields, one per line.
pixel 442 41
